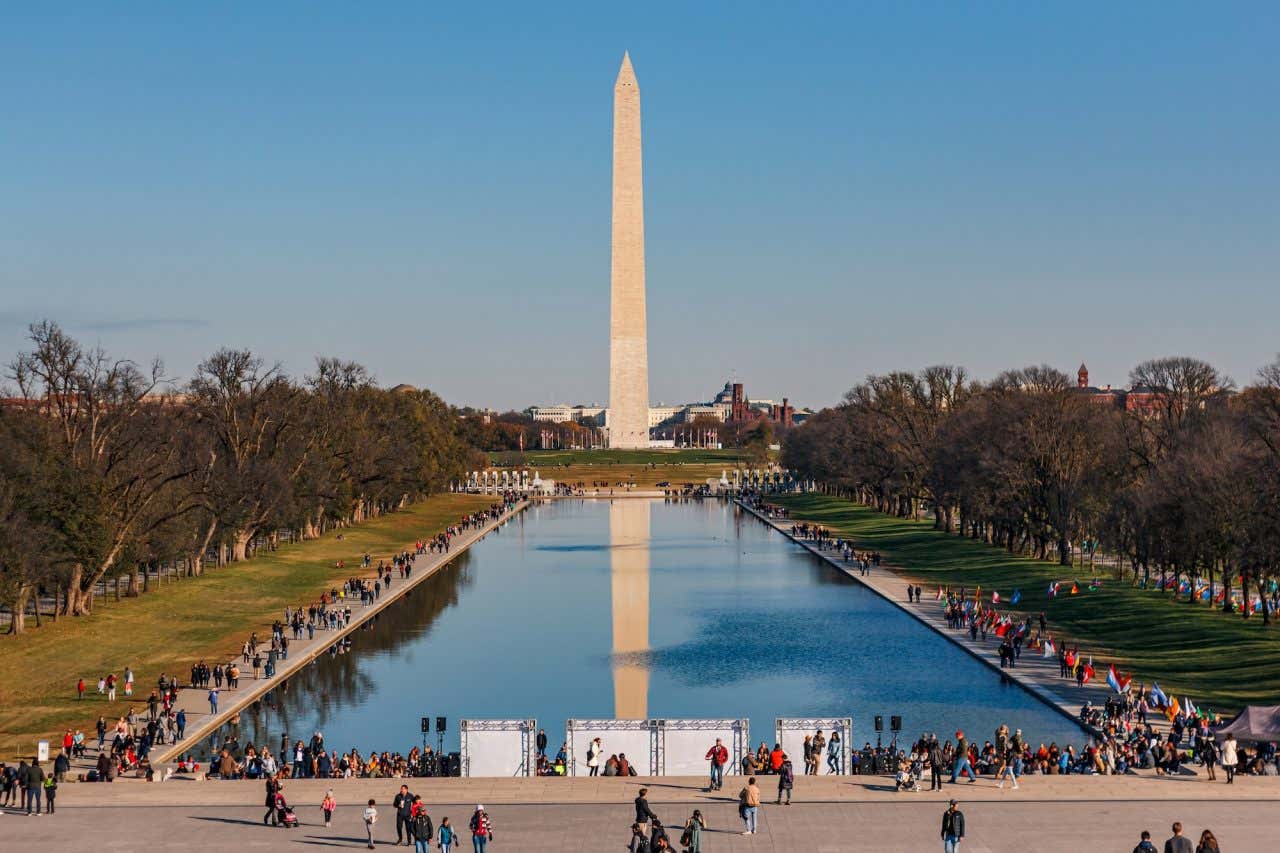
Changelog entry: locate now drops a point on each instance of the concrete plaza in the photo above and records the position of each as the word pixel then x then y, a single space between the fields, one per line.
pixel 1048 814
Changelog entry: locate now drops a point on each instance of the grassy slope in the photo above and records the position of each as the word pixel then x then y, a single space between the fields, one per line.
pixel 170 627
pixel 1194 650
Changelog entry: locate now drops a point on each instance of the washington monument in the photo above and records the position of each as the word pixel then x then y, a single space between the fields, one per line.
pixel 628 338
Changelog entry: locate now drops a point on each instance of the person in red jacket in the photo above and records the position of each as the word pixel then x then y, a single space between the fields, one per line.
pixel 719 757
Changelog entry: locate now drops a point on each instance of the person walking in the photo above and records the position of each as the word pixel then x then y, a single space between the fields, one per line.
pixel 833 754
pixel 445 835
pixel 481 829
pixel 370 821
pixel 1209 756
pixel 749 805
pixel 691 838
pixel 1144 844
pixel 786 779
pixel 952 828
pixel 270 816
pixel 213 702
pixel 644 814
pixel 327 807
pixel 1230 757
pixel 1208 843
pixel 961 763
pixel 423 828
pixel 719 757
pixel 80 689
pixel 1178 843
pixel 51 793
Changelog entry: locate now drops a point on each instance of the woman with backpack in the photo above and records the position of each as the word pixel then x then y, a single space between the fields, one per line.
pixel 691 838
pixel 445 836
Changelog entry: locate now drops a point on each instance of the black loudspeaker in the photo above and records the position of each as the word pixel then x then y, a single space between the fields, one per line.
pixel 426 724
pixel 879 723
pixel 428 765
pixel 453 765
pixel 895 723
pixel 441 723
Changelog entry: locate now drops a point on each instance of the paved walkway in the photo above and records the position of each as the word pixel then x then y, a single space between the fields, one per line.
pixel 1050 814
pixel 201 723
pixel 1037 674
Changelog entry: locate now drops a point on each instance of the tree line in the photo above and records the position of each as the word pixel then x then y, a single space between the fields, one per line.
pixel 108 468
pixel 1182 484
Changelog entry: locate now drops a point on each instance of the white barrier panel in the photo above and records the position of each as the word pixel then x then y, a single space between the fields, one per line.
pixel 683 745
pixel 791 732
pixel 636 738
pixel 498 747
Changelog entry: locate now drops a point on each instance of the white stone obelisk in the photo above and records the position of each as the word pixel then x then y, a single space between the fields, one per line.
pixel 628 336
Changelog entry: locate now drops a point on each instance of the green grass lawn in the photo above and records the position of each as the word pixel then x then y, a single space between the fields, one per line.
pixel 1219 660
pixel 166 630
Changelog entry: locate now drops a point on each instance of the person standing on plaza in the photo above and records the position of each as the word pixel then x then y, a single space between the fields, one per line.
pixel 749 805
pixel 403 804
pixel 542 743
pixel 935 765
pixel 1230 757
pixel 593 757
pixel 34 783
pixel 833 754
pixel 481 829
pixel 1178 843
pixel 51 793
pixel 952 828
pixel 719 757
pixel 370 820
pixel 691 838
pixel 327 807
pixel 213 701
pixel 786 779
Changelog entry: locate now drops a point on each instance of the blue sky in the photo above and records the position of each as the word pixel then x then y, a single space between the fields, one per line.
pixel 831 189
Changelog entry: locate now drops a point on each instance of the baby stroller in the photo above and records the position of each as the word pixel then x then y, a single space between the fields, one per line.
pixel 289 819
pixel 909 772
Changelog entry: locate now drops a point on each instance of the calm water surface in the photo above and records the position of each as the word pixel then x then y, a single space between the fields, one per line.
pixel 637 608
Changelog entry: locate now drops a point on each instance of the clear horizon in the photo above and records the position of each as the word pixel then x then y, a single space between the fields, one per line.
pixel 829 192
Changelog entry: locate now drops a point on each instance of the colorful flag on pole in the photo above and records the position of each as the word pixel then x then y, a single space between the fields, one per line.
pixel 939 596
pixel 1190 708
pixel 1053 589
pixel 1049 650
pixel 1075 588
pixel 1173 708
pixel 1088 671
pixel 995 596
pixel 1157 695
pixel 1017 596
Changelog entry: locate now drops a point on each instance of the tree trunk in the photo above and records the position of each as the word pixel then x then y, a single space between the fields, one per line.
pixel 18 610
pixel 1065 556
pixel 1262 596
pixel 240 545
pixel 1244 591
pixel 72 606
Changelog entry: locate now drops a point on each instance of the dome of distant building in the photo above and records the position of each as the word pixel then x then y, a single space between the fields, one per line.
pixel 403 388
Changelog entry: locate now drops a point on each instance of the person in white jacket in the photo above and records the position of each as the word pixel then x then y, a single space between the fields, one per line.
pixel 593 757
pixel 1229 757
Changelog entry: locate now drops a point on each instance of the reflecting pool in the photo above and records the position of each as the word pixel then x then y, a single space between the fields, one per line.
pixel 635 608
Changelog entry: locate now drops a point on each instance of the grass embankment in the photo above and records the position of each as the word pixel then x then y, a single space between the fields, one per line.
pixel 166 630
pixel 1222 662
pixel 646 468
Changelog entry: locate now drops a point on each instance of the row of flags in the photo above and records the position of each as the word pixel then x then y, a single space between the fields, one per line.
pixel 1117 681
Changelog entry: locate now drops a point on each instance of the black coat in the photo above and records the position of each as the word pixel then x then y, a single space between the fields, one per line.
pixel 953 823
pixel 643 812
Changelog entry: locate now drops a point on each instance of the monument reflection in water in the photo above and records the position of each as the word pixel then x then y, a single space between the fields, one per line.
pixel 629 580
pixel 633 609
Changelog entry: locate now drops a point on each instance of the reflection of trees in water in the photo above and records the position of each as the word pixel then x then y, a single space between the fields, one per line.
pixel 335 682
